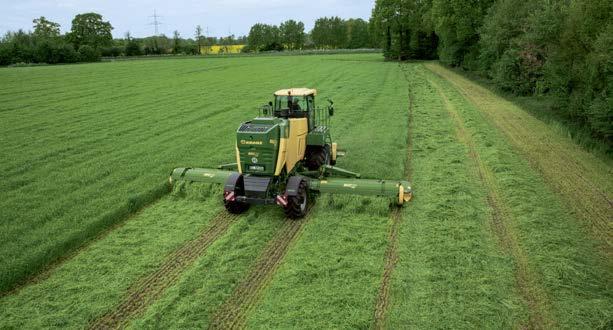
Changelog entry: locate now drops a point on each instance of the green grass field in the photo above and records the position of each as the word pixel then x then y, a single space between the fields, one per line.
pixel 510 225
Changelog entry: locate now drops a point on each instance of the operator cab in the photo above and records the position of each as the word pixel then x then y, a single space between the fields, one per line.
pixel 294 103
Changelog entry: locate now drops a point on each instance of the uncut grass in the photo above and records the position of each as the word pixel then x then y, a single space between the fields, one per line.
pixel 331 277
pixel 98 155
pixel 451 271
pixel 178 307
pixel 96 279
pixel 575 276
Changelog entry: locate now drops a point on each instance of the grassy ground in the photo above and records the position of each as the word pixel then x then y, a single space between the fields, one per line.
pixel 94 281
pixel 451 271
pixel 568 169
pixel 325 266
pixel 490 239
pixel 83 134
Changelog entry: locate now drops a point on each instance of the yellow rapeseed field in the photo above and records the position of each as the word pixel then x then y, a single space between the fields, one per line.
pixel 222 49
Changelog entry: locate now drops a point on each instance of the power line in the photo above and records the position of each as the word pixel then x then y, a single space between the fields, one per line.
pixel 155 22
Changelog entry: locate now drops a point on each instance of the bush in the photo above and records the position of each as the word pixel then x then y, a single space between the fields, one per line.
pixel 133 48
pixel 112 51
pixel 6 55
pixel 67 54
pixel 275 46
pixel 88 54
pixel 190 49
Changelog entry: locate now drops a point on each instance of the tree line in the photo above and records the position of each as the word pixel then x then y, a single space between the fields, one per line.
pixel 89 33
pixel 90 38
pixel 561 49
pixel 327 33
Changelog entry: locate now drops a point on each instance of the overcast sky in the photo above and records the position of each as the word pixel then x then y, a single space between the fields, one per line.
pixel 221 17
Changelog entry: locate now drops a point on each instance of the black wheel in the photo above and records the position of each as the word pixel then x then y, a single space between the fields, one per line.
pixel 234 206
pixel 316 157
pixel 297 206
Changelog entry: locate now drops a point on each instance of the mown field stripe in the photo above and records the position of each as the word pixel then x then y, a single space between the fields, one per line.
pixel 76 243
pixel 576 175
pixel 530 289
pixel 232 314
pixel 117 218
pixel 152 286
pixel 391 254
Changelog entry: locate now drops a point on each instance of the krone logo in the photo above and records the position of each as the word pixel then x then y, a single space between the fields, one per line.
pixel 350 185
pixel 250 142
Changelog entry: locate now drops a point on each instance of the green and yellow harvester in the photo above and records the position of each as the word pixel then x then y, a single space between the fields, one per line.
pixel 285 156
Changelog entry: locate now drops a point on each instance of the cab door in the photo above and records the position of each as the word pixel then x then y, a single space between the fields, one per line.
pixel 311 111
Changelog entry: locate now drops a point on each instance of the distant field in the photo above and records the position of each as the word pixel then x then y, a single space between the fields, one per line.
pixel 510 226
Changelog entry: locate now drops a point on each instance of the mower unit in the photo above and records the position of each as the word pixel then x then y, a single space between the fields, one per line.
pixel 285 154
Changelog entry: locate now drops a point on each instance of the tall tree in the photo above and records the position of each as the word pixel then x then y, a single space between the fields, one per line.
pixel 292 34
pixel 132 46
pixel 329 32
pixel 264 37
pixel 89 29
pixel 457 24
pixel 403 28
pixel 45 28
pixel 199 38
pixel 357 34
pixel 176 42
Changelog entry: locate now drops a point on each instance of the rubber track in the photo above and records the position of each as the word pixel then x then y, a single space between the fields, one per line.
pixel 233 313
pixel 391 253
pixel 526 282
pixel 151 287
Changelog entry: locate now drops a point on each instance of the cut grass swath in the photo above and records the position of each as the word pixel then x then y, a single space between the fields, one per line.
pixel 563 258
pixel 203 288
pixel 232 314
pixel 391 254
pixel 569 170
pixel 500 218
pixel 95 281
pixel 450 269
pixel 152 286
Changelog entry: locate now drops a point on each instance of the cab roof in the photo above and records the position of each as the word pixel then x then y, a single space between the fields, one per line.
pixel 296 92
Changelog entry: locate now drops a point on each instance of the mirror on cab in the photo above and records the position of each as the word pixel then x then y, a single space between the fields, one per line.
pixel 331 108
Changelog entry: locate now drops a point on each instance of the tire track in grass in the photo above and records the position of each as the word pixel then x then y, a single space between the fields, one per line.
pixel 529 288
pixel 391 254
pixel 391 258
pixel 151 287
pixel 574 174
pixel 233 313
